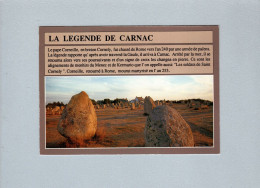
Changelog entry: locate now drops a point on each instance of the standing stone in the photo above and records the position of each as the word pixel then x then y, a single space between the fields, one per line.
pixel 148 105
pixel 56 110
pixel 53 112
pixel 48 110
pixel 78 121
pixel 164 102
pixel 132 106
pixel 165 127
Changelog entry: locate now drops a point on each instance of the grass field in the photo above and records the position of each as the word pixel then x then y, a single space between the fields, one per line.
pixel 125 127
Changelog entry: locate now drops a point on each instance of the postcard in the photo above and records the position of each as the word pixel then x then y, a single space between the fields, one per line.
pixel 129 90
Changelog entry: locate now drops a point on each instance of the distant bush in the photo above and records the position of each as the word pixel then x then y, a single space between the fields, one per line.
pixel 93 101
pixel 107 101
pixel 116 101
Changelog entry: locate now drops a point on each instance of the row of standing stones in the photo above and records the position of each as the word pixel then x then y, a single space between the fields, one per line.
pixel 57 110
pixel 164 127
pixel 119 106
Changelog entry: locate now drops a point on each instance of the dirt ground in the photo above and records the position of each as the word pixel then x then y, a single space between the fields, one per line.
pixel 125 127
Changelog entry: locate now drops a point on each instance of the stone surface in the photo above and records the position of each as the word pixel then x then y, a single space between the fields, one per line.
pixel 148 105
pixel 56 110
pixel 165 127
pixel 132 106
pixel 78 121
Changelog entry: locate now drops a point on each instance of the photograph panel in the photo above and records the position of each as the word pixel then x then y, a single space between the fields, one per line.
pixel 129 111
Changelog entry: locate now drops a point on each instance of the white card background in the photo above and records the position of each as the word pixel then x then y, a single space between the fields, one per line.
pixel 21 164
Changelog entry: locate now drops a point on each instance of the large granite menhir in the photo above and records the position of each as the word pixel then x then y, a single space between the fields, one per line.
pixel 78 121
pixel 165 127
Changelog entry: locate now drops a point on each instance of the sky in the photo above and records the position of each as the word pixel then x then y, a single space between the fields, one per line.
pixel 168 87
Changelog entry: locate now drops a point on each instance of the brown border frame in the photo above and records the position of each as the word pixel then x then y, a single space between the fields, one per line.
pixel 142 150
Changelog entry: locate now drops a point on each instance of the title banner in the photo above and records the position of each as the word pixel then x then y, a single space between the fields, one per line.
pixel 129 37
